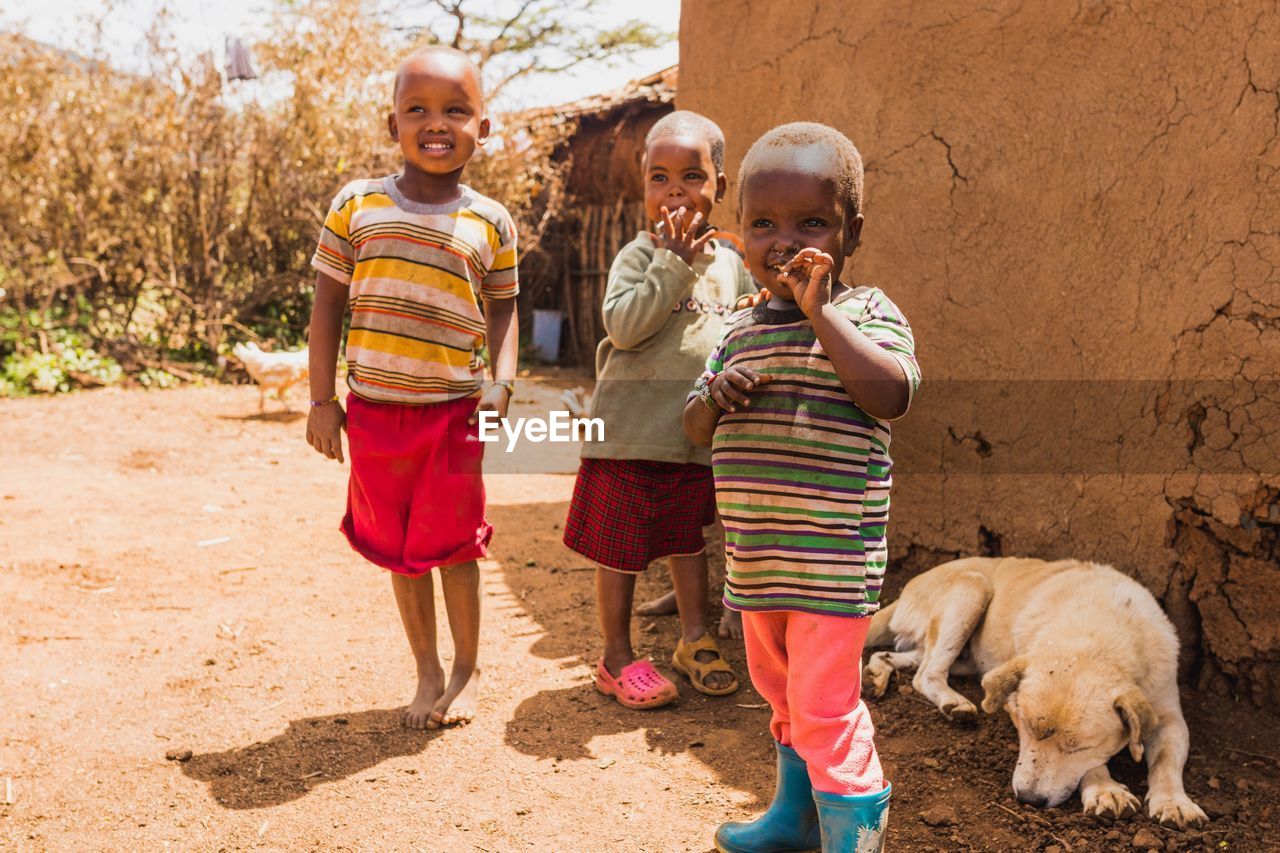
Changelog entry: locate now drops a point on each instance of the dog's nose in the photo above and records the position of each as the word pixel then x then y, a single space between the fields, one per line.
pixel 1031 799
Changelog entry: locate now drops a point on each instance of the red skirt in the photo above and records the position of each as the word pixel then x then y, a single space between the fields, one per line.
pixel 626 513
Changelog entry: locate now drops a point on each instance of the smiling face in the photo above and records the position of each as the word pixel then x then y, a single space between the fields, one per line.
pixel 679 172
pixel 790 201
pixel 439 113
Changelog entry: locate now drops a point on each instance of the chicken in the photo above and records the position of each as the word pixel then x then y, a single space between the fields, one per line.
pixel 278 370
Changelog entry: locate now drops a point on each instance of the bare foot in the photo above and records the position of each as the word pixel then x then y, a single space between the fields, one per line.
pixel 418 714
pixel 458 703
pixel 731 625
pixel 663 605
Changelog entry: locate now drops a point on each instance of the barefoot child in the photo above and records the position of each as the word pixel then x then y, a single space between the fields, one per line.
pixel 645 492
pixel 414 255
pixel 795 403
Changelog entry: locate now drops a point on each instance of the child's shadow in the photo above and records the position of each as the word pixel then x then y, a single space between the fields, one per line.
pixel 286 417
pixel 558 724
pixel 310 752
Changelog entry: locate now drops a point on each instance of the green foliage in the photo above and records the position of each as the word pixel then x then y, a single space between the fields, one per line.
pixel 12 323
pixel 160 216
pixel 69 363
pixel 153 377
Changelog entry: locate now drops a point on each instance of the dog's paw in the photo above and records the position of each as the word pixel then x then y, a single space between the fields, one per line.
pixel 1111 802
pixel 1177 812
pixel 875 681
pixel 962 712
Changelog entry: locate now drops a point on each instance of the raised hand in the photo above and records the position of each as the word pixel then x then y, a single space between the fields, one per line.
pixel 809 274
pixel 751 300
pixel 678 233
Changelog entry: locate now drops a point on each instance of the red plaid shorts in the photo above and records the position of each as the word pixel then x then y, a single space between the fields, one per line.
pixel 626 513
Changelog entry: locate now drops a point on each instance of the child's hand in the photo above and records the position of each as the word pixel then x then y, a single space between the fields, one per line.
pixel 324 429
pixel 729 388
pixel 809 274
pixel 675 237
pixel 495 398
pixel 751 300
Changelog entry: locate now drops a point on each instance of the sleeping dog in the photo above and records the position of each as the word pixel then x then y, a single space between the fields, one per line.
pixel 1080 656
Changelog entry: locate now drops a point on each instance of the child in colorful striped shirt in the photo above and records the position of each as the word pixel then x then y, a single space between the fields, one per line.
pixel 795 403
pixel 414 255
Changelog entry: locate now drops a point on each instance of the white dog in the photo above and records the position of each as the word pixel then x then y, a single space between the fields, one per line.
pixel 1081 657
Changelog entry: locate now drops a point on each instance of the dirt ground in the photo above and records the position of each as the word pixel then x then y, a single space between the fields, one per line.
pixel 172 579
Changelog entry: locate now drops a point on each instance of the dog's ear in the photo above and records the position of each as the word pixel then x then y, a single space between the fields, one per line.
pixel 1000 682
pixel 1138 717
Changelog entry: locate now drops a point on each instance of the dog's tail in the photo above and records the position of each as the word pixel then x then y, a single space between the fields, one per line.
pixel 879 634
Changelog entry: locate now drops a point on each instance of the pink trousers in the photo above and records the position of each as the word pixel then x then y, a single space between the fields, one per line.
pixel 808 668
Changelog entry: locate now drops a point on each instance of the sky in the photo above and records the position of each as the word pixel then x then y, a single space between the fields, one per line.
pixel 204 24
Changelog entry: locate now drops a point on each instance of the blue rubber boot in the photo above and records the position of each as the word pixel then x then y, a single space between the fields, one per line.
pixel 790 822
pixel 853 823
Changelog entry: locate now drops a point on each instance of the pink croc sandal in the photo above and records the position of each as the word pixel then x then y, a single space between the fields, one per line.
pixel 639 685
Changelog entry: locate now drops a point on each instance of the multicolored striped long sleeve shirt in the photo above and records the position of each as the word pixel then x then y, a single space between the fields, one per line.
pixel 802 474
pixel 417 273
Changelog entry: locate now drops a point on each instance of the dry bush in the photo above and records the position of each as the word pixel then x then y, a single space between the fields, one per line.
pixel 158 214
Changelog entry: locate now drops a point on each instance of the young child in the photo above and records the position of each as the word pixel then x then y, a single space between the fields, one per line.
pixel 795 402
pixel 414 254
pixel 645 492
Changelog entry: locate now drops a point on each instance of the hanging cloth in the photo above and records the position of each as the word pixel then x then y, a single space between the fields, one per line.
pixel 239 61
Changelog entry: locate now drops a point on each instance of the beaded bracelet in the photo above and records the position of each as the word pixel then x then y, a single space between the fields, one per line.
pixel 703 389
pixel 315 404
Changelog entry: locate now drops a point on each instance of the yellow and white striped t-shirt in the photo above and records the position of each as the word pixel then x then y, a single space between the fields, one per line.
pixel 416 273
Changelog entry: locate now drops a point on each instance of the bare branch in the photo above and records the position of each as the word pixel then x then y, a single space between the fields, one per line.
pixel 453 10
pixel 462 23
pixel 495 45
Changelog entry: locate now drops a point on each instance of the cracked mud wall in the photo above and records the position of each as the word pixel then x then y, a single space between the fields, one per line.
pixel 1078 208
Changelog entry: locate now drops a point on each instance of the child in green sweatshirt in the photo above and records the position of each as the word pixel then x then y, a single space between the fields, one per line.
pixel 645 492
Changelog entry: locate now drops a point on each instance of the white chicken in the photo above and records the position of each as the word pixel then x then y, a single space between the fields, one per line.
pixel 278 370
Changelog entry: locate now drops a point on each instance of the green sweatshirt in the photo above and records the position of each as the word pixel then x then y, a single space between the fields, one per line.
pixel 663 318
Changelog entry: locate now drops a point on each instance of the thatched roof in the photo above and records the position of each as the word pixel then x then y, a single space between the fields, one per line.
pixel 607 139
pixel 655 89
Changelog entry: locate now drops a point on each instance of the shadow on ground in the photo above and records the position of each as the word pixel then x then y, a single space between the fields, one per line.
pixel 952 784
pixel 557 589
pixel 285 417
pixel 310 752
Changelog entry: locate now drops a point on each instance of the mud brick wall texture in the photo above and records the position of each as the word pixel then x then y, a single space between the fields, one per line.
pixel 1078 207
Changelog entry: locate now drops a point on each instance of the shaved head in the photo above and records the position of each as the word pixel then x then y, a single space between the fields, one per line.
pixel 439 60
pixel 693 125
pixel 808 147
pixel 437 114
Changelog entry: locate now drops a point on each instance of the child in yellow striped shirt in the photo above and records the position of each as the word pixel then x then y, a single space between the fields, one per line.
pixel 414 256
